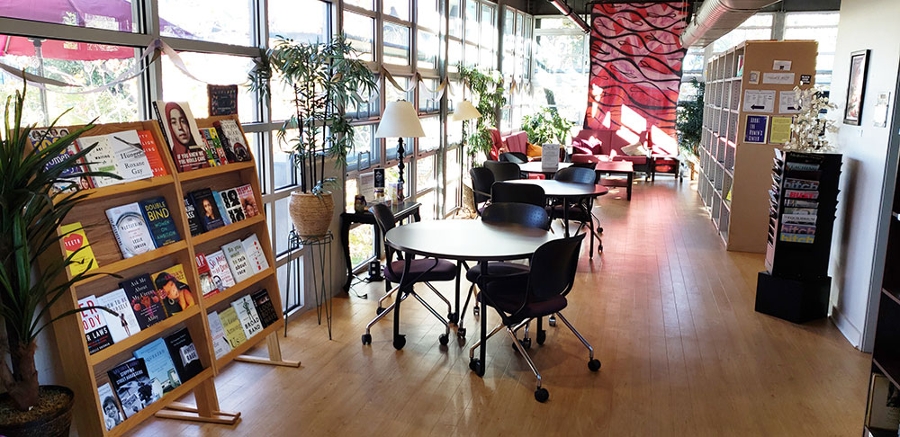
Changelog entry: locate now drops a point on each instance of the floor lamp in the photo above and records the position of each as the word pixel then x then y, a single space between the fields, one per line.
pixel 465 111
pixel 399 120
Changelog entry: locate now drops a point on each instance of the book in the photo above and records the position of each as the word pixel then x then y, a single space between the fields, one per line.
pixel 209 149
pixel 256 257
pixel 799 194
pixel 143 300
pixel 124 323
pixel 94 323
pixel 789 210
pixel 221 206
pixel 70 179
pixel 159 219
pixel 234 332
pixel 151 151
pixel 160 367
pixel 222 99
pixel 801 166
pixel 789 228
pixel 211 137
pixel 207 286
pixel 219 270
pixel 217 333
pixel 801 219
pixel 131 162
pixel 801 203
pixel 112 412
pixel 130 229
pixel 133 386
pixel 180 129
pixel 884 404
pixel 231 202
pixel 264 307
pixel 800 184
pixel 184 354
pixel 233 141
pixel 237 260
pixel 246 312
pixel 100 158
pixel 797 238
pixel 248 200
pixel 175 294
pixel 193 221
pixel 75 242
pixel 206 209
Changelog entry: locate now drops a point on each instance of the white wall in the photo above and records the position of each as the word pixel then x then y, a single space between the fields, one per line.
pixel 868 168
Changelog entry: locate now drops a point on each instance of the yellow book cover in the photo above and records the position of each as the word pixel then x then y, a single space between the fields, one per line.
pixel 74 239
pixel 234 332
pixel 172 287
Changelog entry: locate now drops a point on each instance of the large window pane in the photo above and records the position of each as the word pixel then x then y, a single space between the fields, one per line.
pixel 471 21
pixel 428 47
pixel 360 32
pixel 429 16
pixel 364 142
pixel 454 56
pixel 221 69
pixel 488 37
pixel 392 93
pixel 455 19
pixel 365 4
pixel 397 8
pixel 97 14
pixel 314 27
pixel 432 128
pixel 228 22
pixel 428 99
pixel 396 44
pixel 425 173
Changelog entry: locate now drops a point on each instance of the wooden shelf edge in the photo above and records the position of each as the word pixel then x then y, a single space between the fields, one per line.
pixel 143 335
pixel 235 289
pixel 237 354
pixel 127 263
pixel 212 171
pixel 125 187
pixel 183 411
pixel 227 229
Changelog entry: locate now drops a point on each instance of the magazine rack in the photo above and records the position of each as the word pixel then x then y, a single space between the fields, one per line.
pixel 83 371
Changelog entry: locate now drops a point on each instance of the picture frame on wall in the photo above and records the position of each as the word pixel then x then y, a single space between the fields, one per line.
pixel 856 88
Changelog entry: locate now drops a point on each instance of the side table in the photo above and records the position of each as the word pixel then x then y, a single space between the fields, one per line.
pixel 402 211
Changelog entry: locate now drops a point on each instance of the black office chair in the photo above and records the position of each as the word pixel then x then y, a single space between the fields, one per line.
pixel 521 193
pixel 524 214
pixel 581 209
pixel 513 157
pixel 503 171
pixel 482 180
pixel 425 270
pixel 519 298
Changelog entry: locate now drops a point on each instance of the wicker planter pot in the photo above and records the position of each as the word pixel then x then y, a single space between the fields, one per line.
pixel 310 213
pixel 55 422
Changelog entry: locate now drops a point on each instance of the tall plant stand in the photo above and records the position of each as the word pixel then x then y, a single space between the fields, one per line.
pixel 319 245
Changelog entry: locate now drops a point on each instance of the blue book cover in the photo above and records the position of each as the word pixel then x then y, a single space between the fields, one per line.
pixel 221 205
pixel 159 219
pixel 160 366
pixel 206 209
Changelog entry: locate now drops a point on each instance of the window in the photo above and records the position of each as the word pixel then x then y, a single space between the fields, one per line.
pixel 396 44
pixel 821 27
pixel 360 31
pixel 229 22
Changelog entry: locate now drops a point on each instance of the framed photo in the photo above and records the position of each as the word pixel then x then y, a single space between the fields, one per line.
pixel 856 89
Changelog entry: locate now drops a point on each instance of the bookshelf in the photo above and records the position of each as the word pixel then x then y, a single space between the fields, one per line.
pixel 84 371
pixel 734 173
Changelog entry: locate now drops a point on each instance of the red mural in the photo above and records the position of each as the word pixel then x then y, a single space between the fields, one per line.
pixel 636 57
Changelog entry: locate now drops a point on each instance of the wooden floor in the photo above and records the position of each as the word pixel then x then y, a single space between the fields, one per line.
pixel 668 311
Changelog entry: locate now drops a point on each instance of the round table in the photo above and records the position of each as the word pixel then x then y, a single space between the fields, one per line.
pixel 565 191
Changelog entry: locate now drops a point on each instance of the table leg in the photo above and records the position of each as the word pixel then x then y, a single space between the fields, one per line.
pixel 482 354
pixel 630 183
pixel 566 216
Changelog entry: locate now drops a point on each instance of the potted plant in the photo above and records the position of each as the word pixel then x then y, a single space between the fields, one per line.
pixel 488 92
pixel 323 78
pixel 547 126
pixel 689 124
pixel 32 208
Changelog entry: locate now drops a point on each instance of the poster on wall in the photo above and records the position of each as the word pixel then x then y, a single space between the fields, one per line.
pixel 759 101
pixel 757 129
pixel 788 103
pixel 780 132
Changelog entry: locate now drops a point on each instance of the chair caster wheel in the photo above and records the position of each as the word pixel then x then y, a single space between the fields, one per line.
pixel 541 336
pixel 551 320
pixel 476 366
pixel 594 365
pixel 399 342
pixel 599 229
pixel 461 333
pixel 379 310
pixel 525 342
pixel 367 338
pixel 444 339
pixel 453 318
pixel 541 395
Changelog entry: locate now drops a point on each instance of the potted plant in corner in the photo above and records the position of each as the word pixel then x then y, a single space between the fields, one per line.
pixel 323 78
pixel 487 89
pixel 32 208
pixel 689 124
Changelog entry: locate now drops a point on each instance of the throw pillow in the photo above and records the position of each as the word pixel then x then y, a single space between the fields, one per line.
pixel 533 151
pixel 636 149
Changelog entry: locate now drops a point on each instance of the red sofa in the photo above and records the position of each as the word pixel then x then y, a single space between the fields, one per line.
pixel 605 141
pixel 513 142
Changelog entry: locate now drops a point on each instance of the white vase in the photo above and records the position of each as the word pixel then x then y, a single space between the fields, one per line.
pixel 311 213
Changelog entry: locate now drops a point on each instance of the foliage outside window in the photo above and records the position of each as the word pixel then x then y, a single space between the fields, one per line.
pixel 689 121
pixel 490 95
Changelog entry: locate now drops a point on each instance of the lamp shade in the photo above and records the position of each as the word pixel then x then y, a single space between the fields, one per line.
pixel 465 111
pixel 399 120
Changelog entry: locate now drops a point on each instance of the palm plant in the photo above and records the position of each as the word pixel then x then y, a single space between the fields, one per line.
pixel 488 90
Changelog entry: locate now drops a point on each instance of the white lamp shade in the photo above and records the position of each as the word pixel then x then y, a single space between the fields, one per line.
pixel 399 121
pixel 465 111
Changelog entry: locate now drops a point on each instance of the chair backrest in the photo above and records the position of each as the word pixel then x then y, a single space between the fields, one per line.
pixel 576 174
pixel 553 267
pixel 522 193
pixel 513 157
pixel 524 214
pixel 503 171
pixel 482 180
pixel 384 218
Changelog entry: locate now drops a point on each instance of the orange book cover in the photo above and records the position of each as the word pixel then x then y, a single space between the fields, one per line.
pixel 152 152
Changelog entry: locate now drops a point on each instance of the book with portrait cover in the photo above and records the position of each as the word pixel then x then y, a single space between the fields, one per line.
pixel 206 209
pixel 219 270
pixel 130 229
pixel 248 200
pixel 75 241
pixel 214 144
pixel 171 285
pixel 143 300
pixel 217 333
pixel 207 286
pixel 133 386
pixel 246 312
pixel 131 161
pixel 151 150
pixel 180 129
pixel 112 411
pixel 233 141
pixel 193 221
pixel 217 196
pixel 124 324
pixel 159 219
pixel 231 200
pixel 100 159
pixel 159 364
pixel 264 307
pixel 222 99
pixel 237 260
pixel 94 323
pixel 43 138
pixel 234 332
pixel 256 257
pixel 184 354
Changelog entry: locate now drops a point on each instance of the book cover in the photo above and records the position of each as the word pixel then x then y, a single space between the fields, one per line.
pixel 221 206
pixel 798 203
pixel 801 219
pixel 206 209
pixel 233 141
pixel 800 184
pixel 207 286
pixel 797 238
pixel 133 386
pixel 180 129
pixel 255 255
pixel 143 300
pixel 217 333
pixel 100 158
pixel 234 332
pixel 802 166
pixel 789 228
pixel 94 323
pixel 159 218
pixel 112 412
pixel 812 211
pixel 151 151
pixel 248 200
pixel 130 229
pixel 799 194
pixel 213 142
pixel 160 367
pixel 193 221
pixel 264 307
pixel 884 404
pixel 184 354
pixel 75 241
pixel 222 99
pixel 219 270
pixel 231 201
pixel 246 312
pixel 124 323
pixel 175 294
pixel 237 261
pixel 131 162
pixel 70 178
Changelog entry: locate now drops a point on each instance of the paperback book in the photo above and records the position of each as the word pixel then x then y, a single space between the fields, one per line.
pixel 180 129
pixel 219 270
pixel 884 408
pixel 256 257
pixel 143 300
pixel 221 206
pixel 237 261
pixel 207 286
pixel 231 202
pixel 217 333
pixel 248 200
pixel 133 386
pixel 788 228
pixel 222 99
pixel 800 194
pixel 130 229
pixel 151 150
pixel 184 354
pixel 234 332
pixel 43 138
pixel 233 141
pixel 193 221
pixel 131 162
pixel 206 209
pixel 159 219
pixel 112 412
pixel 264 307
pixel 211 137
pixel 100 159
pixel 75 241
pixel 160 367
pixel 94 323
pixel 124 324
pixel 800 184
pixel 175 294
pixel 798 238
pixel 246 312
pixel 799 203
pixel 800 219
